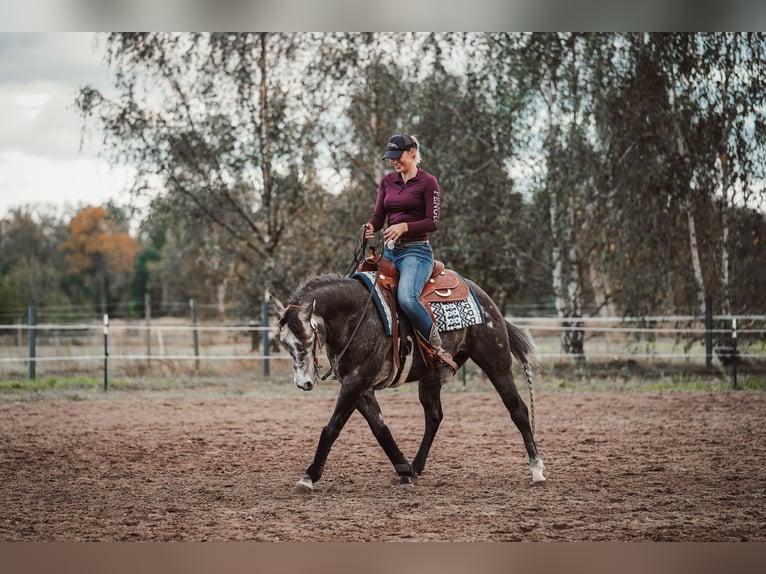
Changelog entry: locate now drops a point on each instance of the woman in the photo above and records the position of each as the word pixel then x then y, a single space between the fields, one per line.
pixel 410 200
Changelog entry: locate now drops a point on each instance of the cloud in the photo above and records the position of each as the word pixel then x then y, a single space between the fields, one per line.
pixel 39 78
pixel 66 58
pixel 41 159
pixel 26 180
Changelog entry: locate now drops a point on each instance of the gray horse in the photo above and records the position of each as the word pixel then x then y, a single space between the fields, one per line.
pixel 333 312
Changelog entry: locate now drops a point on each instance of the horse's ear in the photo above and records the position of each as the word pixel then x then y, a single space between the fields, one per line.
pixel 276 304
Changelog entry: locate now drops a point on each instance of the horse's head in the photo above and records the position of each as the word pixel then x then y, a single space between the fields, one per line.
pixel 298 333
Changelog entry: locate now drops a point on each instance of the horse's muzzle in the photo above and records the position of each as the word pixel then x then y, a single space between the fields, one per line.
pixel 305 385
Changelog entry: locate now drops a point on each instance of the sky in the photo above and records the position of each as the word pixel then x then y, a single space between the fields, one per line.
pixel 41 160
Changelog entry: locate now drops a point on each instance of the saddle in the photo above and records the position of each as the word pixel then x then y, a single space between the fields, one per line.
pixel 444 285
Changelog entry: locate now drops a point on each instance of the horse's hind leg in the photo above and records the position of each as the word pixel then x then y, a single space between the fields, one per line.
pixel 429 392
pixel 498 369
pixel 507 390
pixel 369 408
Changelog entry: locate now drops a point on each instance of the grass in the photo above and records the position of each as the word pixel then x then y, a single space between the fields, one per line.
pixel 554 378
pixel 92 388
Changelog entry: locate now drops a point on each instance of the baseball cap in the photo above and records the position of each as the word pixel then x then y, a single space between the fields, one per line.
pixel 397 145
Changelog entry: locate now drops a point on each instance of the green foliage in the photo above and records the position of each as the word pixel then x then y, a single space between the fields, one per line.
pixel 31 265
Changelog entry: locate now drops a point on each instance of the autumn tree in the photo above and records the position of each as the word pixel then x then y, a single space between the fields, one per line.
pixel 99 248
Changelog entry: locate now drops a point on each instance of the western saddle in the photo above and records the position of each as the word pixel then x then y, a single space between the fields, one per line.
pixel 444 285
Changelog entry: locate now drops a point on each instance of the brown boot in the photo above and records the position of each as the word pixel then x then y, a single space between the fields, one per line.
pixel 442 360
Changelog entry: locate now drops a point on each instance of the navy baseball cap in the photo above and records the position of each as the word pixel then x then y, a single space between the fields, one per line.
pixel 397 145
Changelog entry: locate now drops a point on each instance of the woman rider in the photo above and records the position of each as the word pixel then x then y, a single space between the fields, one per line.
pixel 410 201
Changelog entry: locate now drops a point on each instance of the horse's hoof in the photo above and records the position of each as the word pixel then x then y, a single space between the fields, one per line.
pixel 537 468
pixel 304 486
pixel 537 476
pixel 405 483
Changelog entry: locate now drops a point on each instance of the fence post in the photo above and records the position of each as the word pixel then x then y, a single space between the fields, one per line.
pixel 708 332
pixel 148 318
pixel 265 325
pixel 734 352
pixel 106 352
pixel 31 340
pixel 195 334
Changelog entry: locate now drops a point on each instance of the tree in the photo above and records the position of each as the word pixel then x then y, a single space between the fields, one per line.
pixel 550 72
pixel 466 146
pixel 98 247
pixel 622 169
pixel 465 141
pixel 226 129
pixel 31 266
pixel 716 88
pixel 639 225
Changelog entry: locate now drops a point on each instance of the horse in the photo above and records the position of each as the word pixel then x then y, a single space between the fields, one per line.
pixel 331 311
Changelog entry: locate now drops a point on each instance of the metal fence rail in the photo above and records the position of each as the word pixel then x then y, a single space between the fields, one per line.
pixel 76 347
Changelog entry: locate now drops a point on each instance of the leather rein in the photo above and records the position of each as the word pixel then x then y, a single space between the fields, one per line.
pixel 360 246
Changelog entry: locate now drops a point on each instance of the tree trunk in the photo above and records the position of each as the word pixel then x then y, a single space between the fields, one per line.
pixel 695 254
pixel 683 152
pixel 724 171
pixel 566 255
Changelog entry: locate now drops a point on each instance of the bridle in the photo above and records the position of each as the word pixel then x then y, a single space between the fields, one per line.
pixel 317 344
pixel 360 246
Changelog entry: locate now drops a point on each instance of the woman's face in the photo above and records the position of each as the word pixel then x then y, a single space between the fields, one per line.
pixel 404 162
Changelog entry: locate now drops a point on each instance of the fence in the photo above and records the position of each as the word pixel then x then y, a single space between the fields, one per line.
pixel 175 346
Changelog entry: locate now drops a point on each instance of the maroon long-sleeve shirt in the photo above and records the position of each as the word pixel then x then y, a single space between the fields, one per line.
pixel 416 203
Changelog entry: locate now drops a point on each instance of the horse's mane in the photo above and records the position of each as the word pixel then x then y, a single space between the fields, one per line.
pixel 312 283
pixel 302 292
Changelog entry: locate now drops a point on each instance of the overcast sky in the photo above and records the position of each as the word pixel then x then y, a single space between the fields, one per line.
pixel 40 157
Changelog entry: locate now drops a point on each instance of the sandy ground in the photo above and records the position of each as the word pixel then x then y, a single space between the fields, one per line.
pixel 621 466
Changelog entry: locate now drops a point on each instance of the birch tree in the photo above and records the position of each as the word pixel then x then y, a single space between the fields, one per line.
pixel 718 98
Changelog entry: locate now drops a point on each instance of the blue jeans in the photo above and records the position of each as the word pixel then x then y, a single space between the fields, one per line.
pixel 415 263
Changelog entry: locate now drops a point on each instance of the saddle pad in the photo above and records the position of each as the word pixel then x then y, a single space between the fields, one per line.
pixel 449 316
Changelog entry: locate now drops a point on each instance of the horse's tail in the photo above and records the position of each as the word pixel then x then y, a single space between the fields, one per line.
pixel 523 348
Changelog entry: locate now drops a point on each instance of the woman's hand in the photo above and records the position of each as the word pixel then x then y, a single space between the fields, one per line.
pixel 394 232
pixel 368 232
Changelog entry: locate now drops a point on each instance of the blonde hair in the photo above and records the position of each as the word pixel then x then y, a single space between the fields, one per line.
pixel 418 157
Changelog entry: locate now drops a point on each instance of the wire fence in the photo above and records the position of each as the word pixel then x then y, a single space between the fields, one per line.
pixel 684 338
pixel 178 346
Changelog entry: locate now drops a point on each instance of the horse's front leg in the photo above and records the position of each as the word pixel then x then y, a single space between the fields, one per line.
pixel 344 406
pixel 369 408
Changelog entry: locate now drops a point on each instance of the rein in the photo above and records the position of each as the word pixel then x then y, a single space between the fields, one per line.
pixel 360 246
pixel 348 343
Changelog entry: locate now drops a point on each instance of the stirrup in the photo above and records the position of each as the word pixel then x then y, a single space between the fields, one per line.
pixel 446 358
pixel 433 350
